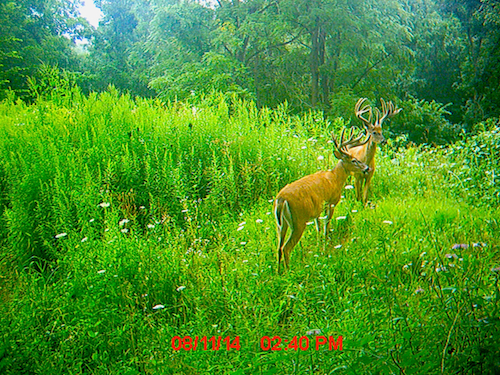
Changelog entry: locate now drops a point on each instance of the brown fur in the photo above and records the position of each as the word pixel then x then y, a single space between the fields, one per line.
pixel 302 201
pixel 366 153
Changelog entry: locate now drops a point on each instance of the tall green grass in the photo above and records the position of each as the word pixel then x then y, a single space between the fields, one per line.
pixel 127 222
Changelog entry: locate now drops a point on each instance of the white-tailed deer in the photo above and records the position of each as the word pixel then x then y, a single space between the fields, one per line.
pixel 366 152
pixel 302 200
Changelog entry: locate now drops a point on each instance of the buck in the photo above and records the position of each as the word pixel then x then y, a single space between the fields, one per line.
pixel 303 200
pixel 366 152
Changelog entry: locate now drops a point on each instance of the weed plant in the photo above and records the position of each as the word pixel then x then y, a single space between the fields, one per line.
pixel 127 222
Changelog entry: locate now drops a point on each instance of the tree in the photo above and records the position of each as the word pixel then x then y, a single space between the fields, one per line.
pixel 37 32
pixel 480 22
pixel 352 44
pixel 111 59
pixel 179 38
pixel 437 46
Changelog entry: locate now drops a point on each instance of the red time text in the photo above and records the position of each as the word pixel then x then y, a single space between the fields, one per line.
pixel 300 343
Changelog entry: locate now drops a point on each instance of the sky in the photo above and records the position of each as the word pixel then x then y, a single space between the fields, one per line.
pixel 91 12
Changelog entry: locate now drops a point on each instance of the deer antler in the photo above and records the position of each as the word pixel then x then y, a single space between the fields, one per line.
pixel 361 111
pixel 343 146
pixel 388 110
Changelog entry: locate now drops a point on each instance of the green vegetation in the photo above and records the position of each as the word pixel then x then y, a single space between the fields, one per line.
pixel 308 53
pixel 127 222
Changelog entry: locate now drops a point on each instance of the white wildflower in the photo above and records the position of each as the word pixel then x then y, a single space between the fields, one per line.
pixel 104 204
pixel 313 332
pixel 60 235
pixel 181 288
pixel 158 307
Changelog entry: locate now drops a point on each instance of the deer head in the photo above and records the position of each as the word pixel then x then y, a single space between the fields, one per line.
pixel 350 163
pixel 373 124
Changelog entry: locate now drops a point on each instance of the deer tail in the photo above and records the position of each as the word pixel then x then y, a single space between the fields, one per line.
pixel 282 213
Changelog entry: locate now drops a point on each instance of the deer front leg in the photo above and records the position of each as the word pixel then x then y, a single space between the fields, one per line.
pixel 329 213
pixel 358 185
pixel 365 189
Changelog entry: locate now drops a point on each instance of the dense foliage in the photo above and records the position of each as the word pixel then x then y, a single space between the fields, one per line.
pixel 307 53
pixel 126 223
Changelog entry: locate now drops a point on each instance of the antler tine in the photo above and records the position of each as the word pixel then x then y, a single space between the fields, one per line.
pixel 385 105
pixel 335 143
pixel 388 110
pixel 357 141
pixel 339 145
pixel 393 109
pixel 351 134
pixel 360 112
pixel 343 145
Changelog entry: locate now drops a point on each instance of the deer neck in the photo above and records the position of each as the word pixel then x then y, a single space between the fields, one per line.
pixel 371 150
pixel 339 173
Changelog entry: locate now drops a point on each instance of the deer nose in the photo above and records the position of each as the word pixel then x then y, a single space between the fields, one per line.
pixel 367 170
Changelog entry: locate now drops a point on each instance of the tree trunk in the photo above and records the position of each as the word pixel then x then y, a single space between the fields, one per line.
pixel 324 80
pixel 314 65
pixel 319 81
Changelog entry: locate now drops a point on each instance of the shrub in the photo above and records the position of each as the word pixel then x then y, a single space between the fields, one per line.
pixel 424 122
pixel 477 168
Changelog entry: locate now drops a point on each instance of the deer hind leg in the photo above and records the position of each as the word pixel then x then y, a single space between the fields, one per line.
pixel 295 235
pixel 283 218
pixel 281 241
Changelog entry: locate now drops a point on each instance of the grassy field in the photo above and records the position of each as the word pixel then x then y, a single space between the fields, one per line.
pixel 129 226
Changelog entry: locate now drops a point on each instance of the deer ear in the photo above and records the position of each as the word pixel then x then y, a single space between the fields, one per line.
pixel 337 154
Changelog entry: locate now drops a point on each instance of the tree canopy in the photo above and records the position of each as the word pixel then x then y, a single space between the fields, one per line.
pixel 312 54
